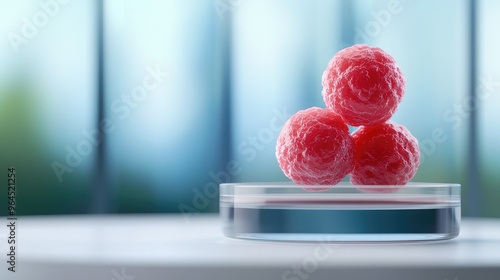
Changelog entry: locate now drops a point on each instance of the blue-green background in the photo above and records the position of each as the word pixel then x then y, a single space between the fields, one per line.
pixel 236 68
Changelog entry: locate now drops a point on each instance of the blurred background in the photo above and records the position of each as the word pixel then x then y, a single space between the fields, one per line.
pixel 127 106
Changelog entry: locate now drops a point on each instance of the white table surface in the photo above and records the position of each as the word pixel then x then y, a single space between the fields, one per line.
pixel 140 247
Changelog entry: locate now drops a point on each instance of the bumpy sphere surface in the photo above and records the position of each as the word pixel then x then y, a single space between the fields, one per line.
pixel 314 147
pixel 363 85
pixel 384 154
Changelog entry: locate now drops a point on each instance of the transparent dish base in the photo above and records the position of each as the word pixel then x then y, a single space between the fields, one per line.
pixel 285 212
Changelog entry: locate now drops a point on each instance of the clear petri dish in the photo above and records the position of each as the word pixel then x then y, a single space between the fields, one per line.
pixel 340 213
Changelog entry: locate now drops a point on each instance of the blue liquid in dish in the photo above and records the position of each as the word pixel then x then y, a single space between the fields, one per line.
pixel 396 223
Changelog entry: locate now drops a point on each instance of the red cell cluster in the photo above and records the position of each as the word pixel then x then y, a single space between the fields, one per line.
pixel 315 148
pixel 362 86
pixel 384 154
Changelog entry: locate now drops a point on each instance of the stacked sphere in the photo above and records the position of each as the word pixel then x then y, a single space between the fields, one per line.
pixel 362 86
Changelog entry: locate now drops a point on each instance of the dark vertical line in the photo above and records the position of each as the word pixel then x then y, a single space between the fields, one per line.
pixel 472 168
pixel 100 196
pixel 347 23
pixel 309 80
pixel 226 98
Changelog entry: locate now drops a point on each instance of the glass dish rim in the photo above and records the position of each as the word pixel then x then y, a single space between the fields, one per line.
pixel 343 185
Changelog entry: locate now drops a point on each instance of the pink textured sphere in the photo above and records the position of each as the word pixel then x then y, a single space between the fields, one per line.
pixel 314 147
pixel 385 154
pixel 363 85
